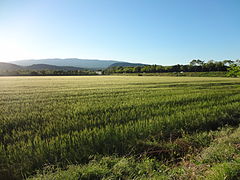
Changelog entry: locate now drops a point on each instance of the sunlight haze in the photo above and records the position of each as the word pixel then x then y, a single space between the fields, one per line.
pixel 154 32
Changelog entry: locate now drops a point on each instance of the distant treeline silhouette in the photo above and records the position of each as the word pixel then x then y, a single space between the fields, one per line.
pixel 193 66
pixel 47 72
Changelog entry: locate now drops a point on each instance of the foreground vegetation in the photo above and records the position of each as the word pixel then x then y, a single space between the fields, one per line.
pixel 210 155
pixel 118 127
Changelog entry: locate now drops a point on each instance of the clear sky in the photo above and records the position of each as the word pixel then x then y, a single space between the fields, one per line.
pixel 148 31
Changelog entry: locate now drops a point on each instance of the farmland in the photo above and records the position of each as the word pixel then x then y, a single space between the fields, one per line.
pixel 81 123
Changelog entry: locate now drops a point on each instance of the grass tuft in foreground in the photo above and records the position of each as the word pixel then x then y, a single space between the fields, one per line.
pixel 212 155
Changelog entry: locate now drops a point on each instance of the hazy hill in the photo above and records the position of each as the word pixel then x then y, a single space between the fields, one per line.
pixel 9 67
pixel 51 67
pixel 14 67
pixel 126 64
pixel 74 62
pixel 63 64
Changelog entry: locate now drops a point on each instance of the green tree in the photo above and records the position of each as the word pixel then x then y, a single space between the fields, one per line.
pixel 234 71
pixel 228 62
pixel 195 62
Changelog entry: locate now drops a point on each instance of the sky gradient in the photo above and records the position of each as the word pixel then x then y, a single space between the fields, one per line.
pixel 147 31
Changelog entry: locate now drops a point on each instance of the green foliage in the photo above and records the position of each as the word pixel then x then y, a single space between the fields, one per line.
pixel 107 168
pixel 194 66
pixel 191 165
pixel 218 153
pixel 234 71
pixel 225 170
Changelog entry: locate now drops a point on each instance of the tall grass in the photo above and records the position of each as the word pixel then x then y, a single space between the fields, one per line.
pixel 65 120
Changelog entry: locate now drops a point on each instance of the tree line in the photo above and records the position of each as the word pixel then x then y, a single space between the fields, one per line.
pixel 193 66
pixel 233 68
pixel 47 72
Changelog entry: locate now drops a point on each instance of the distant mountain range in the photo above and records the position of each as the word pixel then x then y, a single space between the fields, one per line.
pixel 9 66
pixel 126 64
pixel 74 62
pixel 63 64
pixel 51 67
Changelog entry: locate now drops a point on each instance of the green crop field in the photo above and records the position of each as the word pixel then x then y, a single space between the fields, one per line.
pixel 119 127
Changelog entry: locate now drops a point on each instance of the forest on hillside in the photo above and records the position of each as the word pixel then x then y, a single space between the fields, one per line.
pixel 227 67
pixel 193 66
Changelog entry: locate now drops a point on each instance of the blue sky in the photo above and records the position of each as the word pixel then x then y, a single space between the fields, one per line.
pixel 148 31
